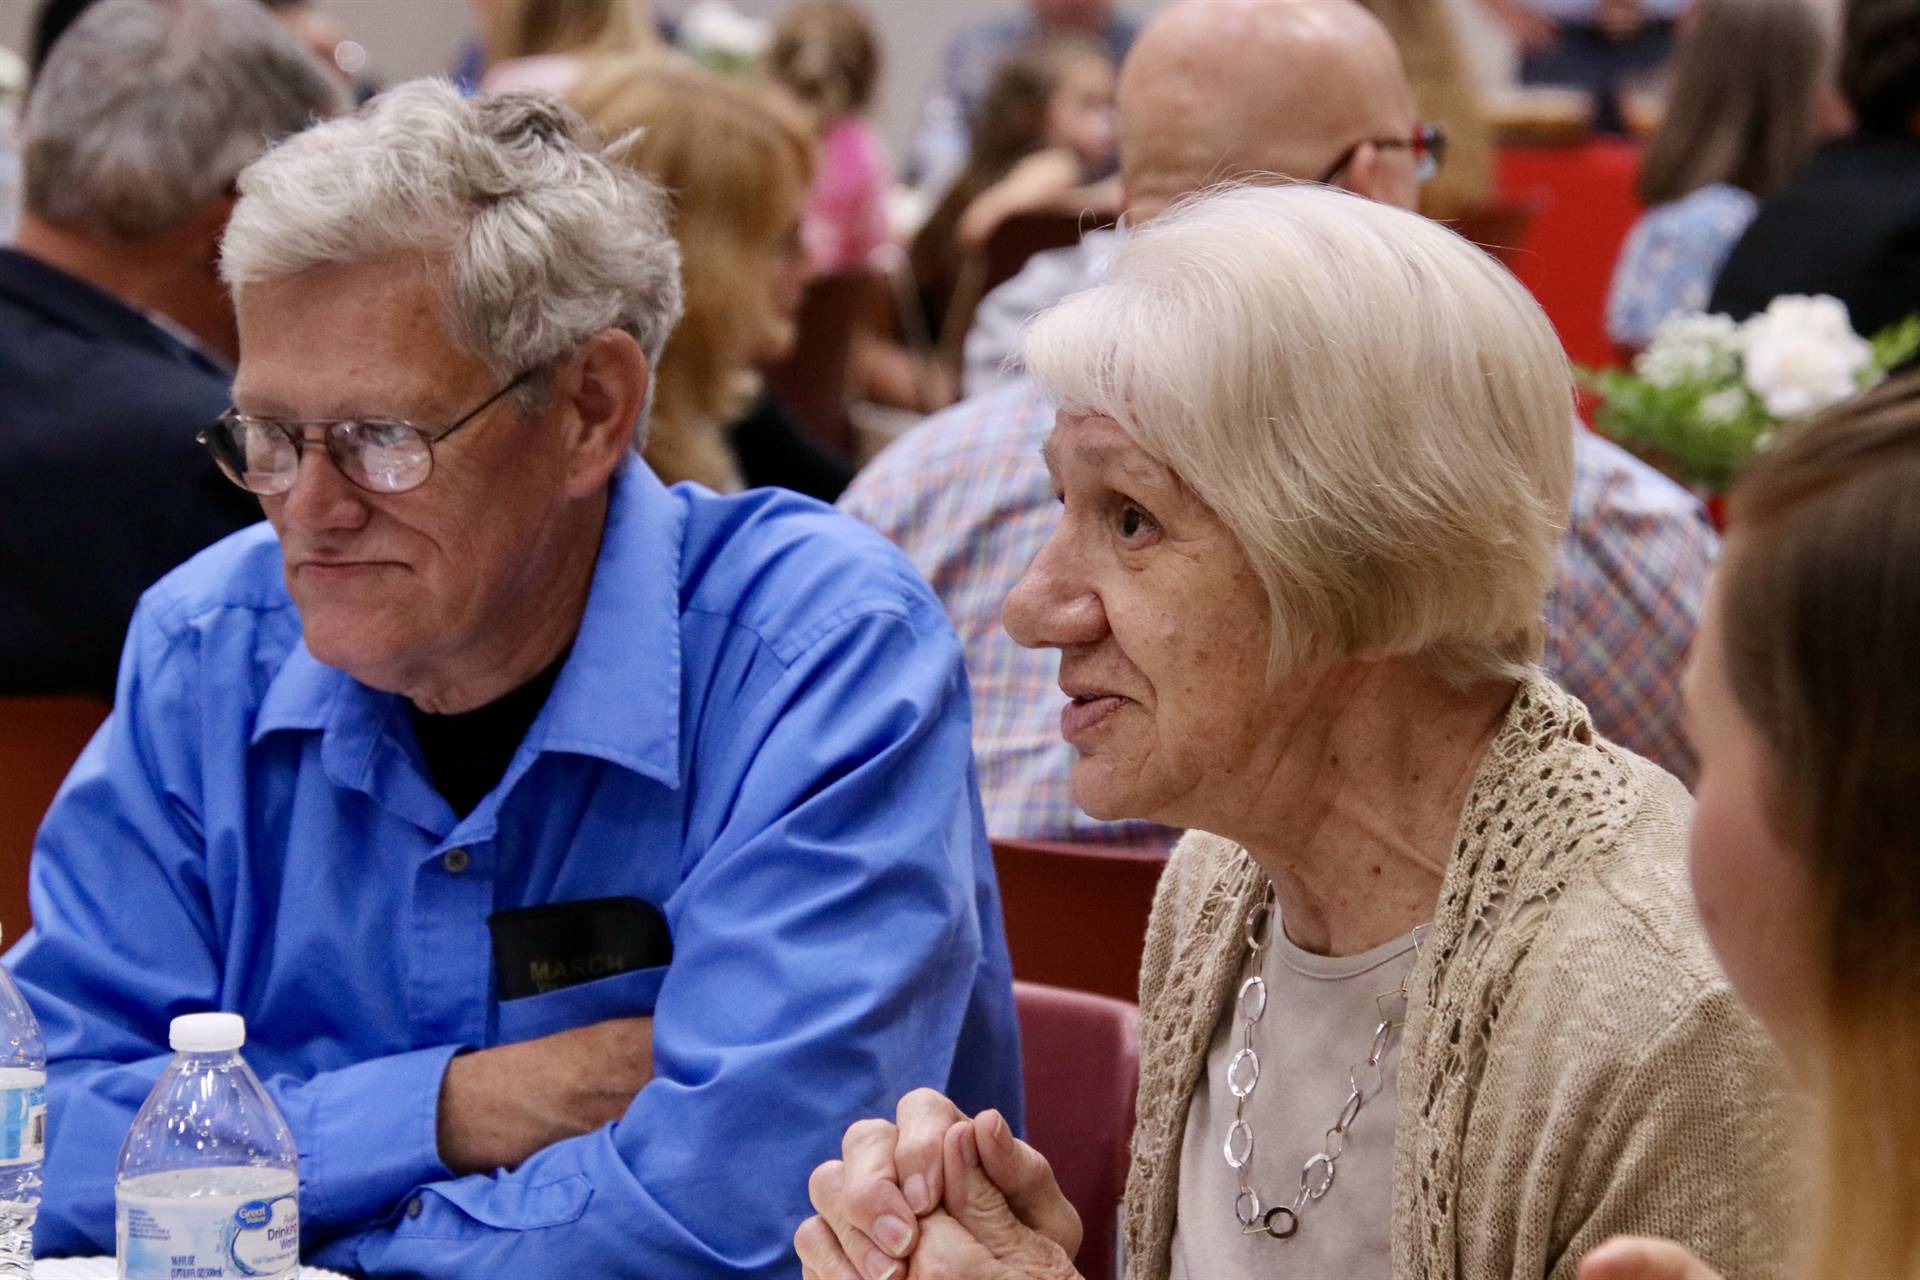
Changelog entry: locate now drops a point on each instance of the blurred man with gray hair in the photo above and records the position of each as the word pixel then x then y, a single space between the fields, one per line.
pixel 115 331
pixel 552 829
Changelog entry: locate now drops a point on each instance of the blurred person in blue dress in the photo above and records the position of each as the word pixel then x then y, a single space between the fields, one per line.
pixel 1750 84
pixel 551 828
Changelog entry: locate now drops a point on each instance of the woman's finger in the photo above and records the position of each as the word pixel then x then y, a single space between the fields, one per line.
pixel 1026 1179
pixel 1638 1258
pixel 924 1117
pixel 973 1201
pixel 979 1208
pixel 841 1209
pixel 871 1200
pixel 821 1257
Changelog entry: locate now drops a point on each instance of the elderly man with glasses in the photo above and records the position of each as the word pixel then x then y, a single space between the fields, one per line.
pixel 551 828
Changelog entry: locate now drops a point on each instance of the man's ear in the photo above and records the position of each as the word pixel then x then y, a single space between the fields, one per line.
pixel 605 385
pixel 1362 174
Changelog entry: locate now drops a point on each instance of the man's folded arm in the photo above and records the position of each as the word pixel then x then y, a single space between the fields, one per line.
pixel 126 937
pixel 827 944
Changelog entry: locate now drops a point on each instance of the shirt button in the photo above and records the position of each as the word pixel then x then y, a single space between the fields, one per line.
pixel 457 861
pixel 414 1206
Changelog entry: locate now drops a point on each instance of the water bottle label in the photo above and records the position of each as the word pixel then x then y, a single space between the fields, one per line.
pixel 217 1238
pixel 23 1125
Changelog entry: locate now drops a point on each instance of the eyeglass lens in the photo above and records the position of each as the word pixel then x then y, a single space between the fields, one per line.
pixel 263 457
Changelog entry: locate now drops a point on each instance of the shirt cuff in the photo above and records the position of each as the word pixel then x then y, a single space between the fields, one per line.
pixel 369 1134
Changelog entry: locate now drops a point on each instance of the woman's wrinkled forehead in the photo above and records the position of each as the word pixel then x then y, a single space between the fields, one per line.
pixel 1096 442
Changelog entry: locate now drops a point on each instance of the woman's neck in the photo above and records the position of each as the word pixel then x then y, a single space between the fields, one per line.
pixel 1361 801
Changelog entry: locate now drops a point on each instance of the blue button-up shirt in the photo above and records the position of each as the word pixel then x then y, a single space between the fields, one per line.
pixel 762 727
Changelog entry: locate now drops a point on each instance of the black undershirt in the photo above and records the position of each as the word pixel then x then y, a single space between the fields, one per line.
pixel 467 753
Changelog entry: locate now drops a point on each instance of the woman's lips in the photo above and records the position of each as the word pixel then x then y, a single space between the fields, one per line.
pixel 1083 715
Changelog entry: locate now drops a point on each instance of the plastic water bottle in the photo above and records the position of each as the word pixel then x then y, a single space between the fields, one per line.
pixel 23 1128
pixel 209 1178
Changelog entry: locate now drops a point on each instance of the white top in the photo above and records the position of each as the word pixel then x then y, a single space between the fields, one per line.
pixel 207 1033
pixel 1319 1024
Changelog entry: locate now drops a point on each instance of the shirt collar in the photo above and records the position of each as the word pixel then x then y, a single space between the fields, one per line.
pixel 618 696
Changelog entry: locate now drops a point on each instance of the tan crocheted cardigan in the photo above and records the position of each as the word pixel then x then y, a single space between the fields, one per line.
pixel 1573 1065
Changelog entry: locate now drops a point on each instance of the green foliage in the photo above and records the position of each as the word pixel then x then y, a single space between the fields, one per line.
pixel 1705 447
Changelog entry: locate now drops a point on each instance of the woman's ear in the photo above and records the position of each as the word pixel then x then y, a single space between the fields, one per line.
pixel 606 387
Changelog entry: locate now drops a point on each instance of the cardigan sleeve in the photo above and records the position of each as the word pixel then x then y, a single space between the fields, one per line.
pixel 1696 1141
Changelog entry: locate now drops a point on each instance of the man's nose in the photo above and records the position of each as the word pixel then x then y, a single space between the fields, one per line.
pixel 322 498
pixel 1054 605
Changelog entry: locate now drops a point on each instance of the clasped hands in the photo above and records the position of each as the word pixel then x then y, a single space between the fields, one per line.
pixel 937 1196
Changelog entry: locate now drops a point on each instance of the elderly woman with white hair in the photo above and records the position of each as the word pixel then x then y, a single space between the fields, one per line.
pixel 1423 991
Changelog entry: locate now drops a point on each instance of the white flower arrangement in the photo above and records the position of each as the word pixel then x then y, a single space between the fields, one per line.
pixel 1707 392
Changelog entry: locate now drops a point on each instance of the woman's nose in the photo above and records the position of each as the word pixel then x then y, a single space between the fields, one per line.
pixel 1054 605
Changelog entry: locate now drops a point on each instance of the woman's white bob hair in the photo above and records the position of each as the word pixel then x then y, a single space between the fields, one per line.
pixel 1376 409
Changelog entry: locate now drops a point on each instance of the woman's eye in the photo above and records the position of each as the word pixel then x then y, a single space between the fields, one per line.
pixel 1134 521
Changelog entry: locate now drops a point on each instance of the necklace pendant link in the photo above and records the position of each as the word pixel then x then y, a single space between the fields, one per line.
pixel 1259 920
pixel 1281 1223
pixel 1243 1075
pixel 1348 1113
pixel 1239 1145
pixel 1252 1004
pixel 1316 1176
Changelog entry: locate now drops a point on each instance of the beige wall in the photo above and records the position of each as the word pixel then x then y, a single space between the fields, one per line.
pixel 420 37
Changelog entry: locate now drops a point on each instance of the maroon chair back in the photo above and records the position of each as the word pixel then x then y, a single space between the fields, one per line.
pixel 1077 913
pixel 1025 234
pixel 812 380
pixel 1016 239
pixel 1082 1055
pixel 39 738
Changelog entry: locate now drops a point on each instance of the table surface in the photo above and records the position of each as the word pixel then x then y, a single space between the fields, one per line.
pixel 104 1269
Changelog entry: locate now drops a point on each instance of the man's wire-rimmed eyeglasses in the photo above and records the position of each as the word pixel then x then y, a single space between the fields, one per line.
pixel 381 455
pixel 1428 144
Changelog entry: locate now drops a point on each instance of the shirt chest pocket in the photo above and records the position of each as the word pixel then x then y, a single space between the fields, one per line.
pixel 622 995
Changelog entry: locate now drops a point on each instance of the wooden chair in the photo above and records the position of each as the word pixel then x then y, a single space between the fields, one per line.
pixel 813 379
pixel 1082 1067
pixel 39 738
pixel 1076 914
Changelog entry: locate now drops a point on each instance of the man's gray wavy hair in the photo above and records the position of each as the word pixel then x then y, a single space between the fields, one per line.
pixel 546 242
pixel 148 108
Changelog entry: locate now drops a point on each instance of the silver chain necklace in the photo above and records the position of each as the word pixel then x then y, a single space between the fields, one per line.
pixel 1282 1221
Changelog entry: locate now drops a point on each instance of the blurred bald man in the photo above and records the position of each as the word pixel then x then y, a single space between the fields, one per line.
pixel 1215 90
pixel 1219 89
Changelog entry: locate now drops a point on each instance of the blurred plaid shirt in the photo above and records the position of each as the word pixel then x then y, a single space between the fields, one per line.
pixel 966 496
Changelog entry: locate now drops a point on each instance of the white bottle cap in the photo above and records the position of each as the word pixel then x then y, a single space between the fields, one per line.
pixel 207 1032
